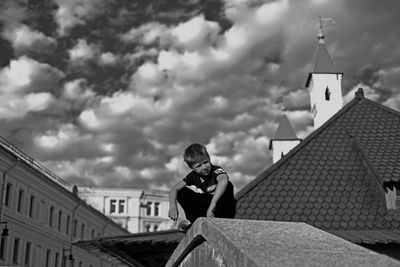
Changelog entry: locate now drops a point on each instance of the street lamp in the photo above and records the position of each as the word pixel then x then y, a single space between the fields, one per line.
pixel 70 256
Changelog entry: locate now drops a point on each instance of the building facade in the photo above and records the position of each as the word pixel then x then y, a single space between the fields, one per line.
pixel 41 216
pixel 137 210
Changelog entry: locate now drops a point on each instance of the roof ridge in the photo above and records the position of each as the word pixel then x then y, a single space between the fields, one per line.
pixel 286 157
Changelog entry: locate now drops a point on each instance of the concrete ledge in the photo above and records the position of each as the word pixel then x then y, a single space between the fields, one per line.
pixel 233 242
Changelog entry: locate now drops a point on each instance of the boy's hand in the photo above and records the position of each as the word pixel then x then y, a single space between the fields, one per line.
pixel 173 214
pixel 210 212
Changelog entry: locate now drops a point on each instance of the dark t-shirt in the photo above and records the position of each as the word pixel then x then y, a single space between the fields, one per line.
pixel 209 183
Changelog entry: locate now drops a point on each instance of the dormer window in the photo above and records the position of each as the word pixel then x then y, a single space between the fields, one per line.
pixel 392 198
pixel 327 94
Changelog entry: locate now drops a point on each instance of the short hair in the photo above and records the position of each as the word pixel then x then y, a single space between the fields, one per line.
pixel 194 153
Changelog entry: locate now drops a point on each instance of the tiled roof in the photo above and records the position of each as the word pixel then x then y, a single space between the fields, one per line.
pixel 141 249
pixel 335 179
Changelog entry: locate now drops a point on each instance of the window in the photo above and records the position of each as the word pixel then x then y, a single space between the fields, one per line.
pixel 60 213
pixel 56 259
pixel 148 208
pixel 75 226
pixel 42 210
pixel 121 206
pixel 92 236
pixel 327 94
pixel 3 244
pixel 117 205
pixel 28 247
pixel 155 228
pixel 20 200
pixel 31 206
pixel 156 208
pixel 80 263
pixel 147 227
pixel 67 225
pixel 48 255
pixel 8 195
pixel 51 215
pixel 82 230
pixel 15 251
pixel 113 205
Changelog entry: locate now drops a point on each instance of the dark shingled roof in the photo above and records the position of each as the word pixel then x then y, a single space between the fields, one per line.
pixel 336 178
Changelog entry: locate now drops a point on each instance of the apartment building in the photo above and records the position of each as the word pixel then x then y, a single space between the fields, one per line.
pixel 41 216
pixel 135 209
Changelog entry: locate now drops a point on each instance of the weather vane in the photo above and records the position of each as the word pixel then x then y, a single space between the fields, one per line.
pixel 324 23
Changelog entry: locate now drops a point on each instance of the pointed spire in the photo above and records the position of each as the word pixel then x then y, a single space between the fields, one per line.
pixel 323 62
pixel 285 130
pixel 285 139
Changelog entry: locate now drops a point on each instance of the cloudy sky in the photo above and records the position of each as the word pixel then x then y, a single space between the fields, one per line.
pixel 109 93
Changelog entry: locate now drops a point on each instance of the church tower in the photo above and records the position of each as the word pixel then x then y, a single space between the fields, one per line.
pixel 285 139
pixel 324 85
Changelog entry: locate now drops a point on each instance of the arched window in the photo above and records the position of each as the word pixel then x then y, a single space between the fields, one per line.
pixel 327 94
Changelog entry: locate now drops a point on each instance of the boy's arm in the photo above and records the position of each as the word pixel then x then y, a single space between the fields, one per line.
pixel 173 209
pixel 219 191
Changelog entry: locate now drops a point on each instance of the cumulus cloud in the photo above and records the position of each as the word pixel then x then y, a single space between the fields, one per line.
pixel 23 38
pixel 21 87
pixel 83 51
pixel 136 94
pixel 75 12
pixel 196 33
pixel 55 140
pixel 108 58
pixel 18 107
pixel 77 90
pixel 147 34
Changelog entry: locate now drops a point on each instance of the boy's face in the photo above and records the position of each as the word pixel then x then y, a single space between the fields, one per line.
pixel 202 167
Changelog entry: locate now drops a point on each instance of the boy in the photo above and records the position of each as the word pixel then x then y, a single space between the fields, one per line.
pixel 204 192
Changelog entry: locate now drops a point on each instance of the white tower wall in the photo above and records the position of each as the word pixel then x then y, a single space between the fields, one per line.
pixel 282 147
pixel 322 108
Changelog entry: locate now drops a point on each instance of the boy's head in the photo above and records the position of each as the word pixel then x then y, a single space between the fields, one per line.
pixel 194 154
